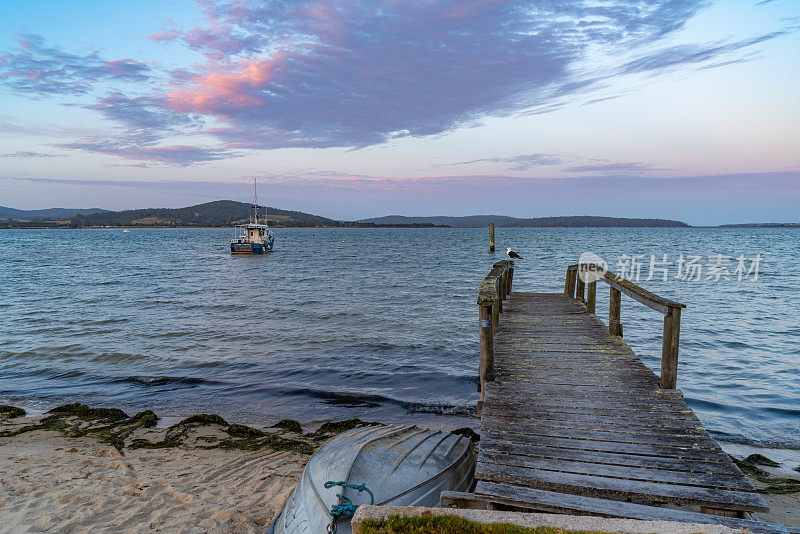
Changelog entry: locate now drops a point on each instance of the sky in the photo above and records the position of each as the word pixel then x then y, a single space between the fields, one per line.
pixel 353 109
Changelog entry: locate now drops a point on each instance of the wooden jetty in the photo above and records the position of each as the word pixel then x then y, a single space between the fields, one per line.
pixel 573 422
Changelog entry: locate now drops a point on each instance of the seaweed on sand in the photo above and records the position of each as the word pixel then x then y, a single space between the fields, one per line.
pixel 772 485
pixel 89 414
pixel 337 427
pixel 109 425
pixel 289 424
pixel 10 412
pixel 177 433
pixel 241 437
pixel 761 460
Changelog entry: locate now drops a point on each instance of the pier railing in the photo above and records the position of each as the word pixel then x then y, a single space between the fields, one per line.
pixel 578 289
pixel 493 291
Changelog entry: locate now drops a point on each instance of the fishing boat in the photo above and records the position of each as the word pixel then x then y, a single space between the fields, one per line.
pixel 383 465
pixel 253 237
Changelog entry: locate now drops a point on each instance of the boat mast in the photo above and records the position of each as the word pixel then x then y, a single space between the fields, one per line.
pixel 254 216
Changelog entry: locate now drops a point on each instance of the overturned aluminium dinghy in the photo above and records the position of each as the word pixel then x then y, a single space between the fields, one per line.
pixel 398 465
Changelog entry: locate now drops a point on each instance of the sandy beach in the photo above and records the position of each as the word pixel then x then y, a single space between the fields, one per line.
pixel 93 474
pixel 51 481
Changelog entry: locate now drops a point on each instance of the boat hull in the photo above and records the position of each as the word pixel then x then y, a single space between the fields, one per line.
pixel 402 465
pixel 251 248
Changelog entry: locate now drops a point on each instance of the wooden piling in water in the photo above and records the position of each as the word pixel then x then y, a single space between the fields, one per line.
pixel 579 288
pixel 592 297
pixel 669 350
pixel 487 346
pixel 491 237
pixel 614 309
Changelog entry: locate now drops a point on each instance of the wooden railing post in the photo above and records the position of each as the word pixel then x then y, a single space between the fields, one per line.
pixel 669 349
pixel 486 367
pixel 496 309
pixel 614 307
pixel 569 286
pixel 579 288
pixel 592 297
pixel 510 279
pixel 499 302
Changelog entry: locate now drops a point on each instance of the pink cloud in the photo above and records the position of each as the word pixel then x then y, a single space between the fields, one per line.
pixel 468 9
pixel 168 35
pixel 217 91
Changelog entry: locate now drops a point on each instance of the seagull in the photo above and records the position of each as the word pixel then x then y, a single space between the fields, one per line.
pixel 512 255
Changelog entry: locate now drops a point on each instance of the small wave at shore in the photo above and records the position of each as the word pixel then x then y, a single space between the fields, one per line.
pixel 175 381
pixel 364 400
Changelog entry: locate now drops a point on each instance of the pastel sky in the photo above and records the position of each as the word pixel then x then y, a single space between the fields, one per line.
pixel 350 109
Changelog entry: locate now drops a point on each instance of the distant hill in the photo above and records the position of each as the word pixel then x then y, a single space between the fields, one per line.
pixel 217 213
pixel 578 221
pixel 230 212
pixel 761 225
pixel 49 213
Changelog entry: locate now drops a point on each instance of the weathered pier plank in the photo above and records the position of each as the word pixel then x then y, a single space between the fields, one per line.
pixel 573 421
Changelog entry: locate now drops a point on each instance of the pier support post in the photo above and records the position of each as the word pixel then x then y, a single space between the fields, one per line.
pixel 487 346
pixel 496 309
pixel 614 307
pixel 669 349
pixel 569 285
pixel 592 297
pixel 579 288
pixel 500 296
pixel 491 237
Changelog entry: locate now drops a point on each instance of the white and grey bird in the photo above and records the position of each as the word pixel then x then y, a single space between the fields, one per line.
pixel 512 255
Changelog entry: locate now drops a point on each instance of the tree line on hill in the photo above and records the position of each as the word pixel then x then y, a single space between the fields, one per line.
pixel 221 213
pixel 572 221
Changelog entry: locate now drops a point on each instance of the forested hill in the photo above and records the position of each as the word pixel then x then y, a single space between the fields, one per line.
pixel 217 213
pixel 577 221
pixel 49 213
pixel 229 212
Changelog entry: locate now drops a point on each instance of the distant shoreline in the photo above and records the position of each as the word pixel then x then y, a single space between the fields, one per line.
pixel 387 227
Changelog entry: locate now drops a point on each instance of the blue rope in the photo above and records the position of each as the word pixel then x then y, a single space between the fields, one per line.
pixel 346 508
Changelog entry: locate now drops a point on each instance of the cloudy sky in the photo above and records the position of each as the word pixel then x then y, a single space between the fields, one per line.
pixel 350 109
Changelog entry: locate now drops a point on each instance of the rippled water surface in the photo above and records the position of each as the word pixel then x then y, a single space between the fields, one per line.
pixel 377 324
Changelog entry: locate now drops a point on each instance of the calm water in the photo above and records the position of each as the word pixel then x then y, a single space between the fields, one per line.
pixel 377 324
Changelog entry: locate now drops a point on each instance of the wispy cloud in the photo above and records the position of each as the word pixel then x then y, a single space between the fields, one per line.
pixel 352 74
pixel 177 155
pixel 515 163
pixel 36 68
pixel 26 154
pixel 348 73
pixel 613 167
pixel 694 54
pixel 145 124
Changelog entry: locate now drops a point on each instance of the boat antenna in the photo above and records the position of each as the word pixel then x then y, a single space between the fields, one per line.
pixel 255 201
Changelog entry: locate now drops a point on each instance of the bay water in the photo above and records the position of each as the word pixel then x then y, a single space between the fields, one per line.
pixel 379 324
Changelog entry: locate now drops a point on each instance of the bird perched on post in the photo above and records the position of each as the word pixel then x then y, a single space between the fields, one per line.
pixel 512 255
